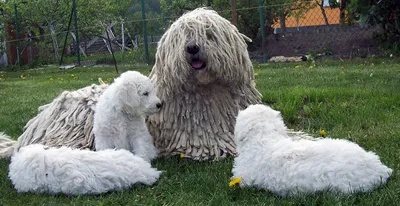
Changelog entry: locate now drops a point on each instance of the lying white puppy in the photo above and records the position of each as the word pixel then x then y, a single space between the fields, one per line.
pixel 270 159
pixel 119 119
pixel 35 168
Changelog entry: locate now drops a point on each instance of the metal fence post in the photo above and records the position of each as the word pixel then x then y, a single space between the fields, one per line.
pixel 66 36
pixel 78 56
pixel 17 33
pixel 146 46
pixel 260 4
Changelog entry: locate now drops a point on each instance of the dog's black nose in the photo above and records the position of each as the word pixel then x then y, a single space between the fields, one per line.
pixel 192 49
pixel 159 105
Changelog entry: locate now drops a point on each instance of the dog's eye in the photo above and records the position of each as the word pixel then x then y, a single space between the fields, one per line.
pixel 145 93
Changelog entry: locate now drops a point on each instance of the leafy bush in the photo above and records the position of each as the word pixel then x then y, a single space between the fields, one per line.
pixel 378 12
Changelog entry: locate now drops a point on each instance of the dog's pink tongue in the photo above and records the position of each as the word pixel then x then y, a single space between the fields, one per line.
pixel 197 64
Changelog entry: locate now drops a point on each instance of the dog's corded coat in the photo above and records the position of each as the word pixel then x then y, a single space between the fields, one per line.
pixel 204 75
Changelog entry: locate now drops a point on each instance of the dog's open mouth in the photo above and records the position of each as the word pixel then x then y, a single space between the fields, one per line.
pixel 198 64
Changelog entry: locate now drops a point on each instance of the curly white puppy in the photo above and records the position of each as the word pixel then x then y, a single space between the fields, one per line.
pixel 270 159
pixel 36 168
pixel 119 119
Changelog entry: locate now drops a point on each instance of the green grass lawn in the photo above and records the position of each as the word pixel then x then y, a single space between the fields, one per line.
pixel 358 100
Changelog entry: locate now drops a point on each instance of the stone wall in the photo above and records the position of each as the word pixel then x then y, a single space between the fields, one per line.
pixel 344 42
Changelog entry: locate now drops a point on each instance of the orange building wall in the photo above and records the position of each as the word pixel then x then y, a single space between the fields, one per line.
pixel 312 17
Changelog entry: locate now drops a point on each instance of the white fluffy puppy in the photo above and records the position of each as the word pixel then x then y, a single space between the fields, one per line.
pixel 119 119
pixel 270 159
pixel 36 168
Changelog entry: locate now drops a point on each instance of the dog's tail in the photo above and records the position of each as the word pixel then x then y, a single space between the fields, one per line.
pixel 7 146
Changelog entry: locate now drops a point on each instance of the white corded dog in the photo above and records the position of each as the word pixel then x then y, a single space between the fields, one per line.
pixel 119 119
pixel 123 143
pixel 270 159
pixel 36 168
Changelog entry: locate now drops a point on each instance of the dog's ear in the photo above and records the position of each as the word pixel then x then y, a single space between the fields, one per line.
pixel 127 97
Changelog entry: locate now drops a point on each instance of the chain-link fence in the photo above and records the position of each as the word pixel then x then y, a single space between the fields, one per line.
pixel 319 31
pixel 292 31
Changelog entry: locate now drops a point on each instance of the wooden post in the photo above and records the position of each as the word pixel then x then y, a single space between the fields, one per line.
pixel 234 14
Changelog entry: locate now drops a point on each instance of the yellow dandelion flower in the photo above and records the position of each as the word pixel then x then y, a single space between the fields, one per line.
pixel 235 181
pixel 22 76
pixel 255 74
pixel 322 133
pixel 181 156
pixel 297 66
pixel 72 75
pixel 310 67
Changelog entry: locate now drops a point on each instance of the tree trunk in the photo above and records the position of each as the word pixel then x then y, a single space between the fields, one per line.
pixel 342 17
pixel 41 34
pixel 123 36
pixel 342 14
pixel 268 28
pixel 54 40
pixel 234 14
pixel 85 44
pixel 321 6
pixel 80 49
pixel 282 21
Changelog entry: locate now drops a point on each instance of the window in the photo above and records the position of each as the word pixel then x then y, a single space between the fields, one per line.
pixel 326 2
